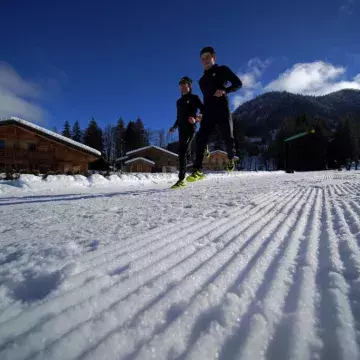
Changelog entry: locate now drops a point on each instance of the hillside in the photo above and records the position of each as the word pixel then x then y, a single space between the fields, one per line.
pixel 267 111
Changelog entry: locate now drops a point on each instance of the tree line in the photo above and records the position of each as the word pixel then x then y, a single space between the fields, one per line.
pixel 328 146
pixel 331 146
pixel 115 140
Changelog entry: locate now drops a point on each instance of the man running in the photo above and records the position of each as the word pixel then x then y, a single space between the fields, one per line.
pixel 187 107
pixel 216 109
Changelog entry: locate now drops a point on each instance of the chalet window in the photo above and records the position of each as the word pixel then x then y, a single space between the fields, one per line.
pixel 31 146
pixel 2 144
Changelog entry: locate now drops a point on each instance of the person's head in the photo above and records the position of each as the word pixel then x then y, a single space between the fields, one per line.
pixel 185 85
pixel 208 57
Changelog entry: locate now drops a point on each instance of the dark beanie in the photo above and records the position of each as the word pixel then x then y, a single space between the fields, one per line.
pixel 207 49
pixel 185 79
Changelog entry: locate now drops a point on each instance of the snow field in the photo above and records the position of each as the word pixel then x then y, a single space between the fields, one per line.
pixel 263 267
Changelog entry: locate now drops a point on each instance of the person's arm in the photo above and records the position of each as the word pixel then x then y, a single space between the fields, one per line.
pixel 236 83
pixel 176 124
pixel 199 104
pixel 200 107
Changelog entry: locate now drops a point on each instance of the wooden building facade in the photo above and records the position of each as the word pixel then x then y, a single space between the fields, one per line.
pixel 217 161
pixel 149 159
pixel 27 147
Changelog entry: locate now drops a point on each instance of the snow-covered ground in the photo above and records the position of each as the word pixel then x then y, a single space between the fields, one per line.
pixel 241 266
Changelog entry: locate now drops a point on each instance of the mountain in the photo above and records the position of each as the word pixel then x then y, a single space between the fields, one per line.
pixel 266 112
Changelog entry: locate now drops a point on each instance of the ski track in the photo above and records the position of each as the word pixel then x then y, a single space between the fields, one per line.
pixel 82 311
pixel 333 288
pixel 255 329
pixel 302 335
pixel 274 275
pixel 254 215
pixel 241 314
pixel 93 286
pixel 209 300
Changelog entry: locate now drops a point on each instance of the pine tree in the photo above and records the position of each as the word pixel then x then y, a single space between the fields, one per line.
pixel 130 137
pixel 142 137
pixel 67 130
pixel 120 138
pixel 345 141
pixel 318 146
pixel 76 132
pixel 93 136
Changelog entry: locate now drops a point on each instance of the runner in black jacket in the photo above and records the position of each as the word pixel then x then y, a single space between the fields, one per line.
pixel 187 107
pixel 216 109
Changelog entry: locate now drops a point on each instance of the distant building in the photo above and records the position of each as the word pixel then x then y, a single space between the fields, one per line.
pixel 218 161
pixel 25 146
pixel 148 159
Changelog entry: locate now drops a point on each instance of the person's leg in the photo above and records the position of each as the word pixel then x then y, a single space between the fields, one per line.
pixel 182 161
pixel 207 152
pixel 184 150
pixel 206 127
pixel 225 124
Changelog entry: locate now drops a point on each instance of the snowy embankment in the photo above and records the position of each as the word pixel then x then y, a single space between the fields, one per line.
pixel 54 183
pixel 252 267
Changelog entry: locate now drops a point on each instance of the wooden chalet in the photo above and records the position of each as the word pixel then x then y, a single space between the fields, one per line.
pixel 148 159
pixel 218 161
pixel 25 146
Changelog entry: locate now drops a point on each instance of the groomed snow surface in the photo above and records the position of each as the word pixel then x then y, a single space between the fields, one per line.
pixel 238 266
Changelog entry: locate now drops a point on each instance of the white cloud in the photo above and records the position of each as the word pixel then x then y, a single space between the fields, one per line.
pixel 17 95
pixel 238 100
pixel 348 7
pixel 250 79
pixel 316 78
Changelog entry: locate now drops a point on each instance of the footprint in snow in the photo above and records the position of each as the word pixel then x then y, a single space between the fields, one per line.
pixel 11 257
pixel 36 286
pixel 4 229
pixel 93 245
pixel 231 203
pixel 120 270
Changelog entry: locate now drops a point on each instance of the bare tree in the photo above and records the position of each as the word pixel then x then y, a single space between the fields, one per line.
pixel 170 137
pixel 162 140
pixel 158 138
pixel 109 141
pixel 152 137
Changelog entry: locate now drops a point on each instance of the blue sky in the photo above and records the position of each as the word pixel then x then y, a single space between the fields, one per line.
pixel 77 59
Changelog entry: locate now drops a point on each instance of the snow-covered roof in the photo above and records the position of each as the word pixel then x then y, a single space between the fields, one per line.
pixel 121 158
pixel 50 133
pixel 221 152
pixel 254 139
pixel 151 146
pixel 140 158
